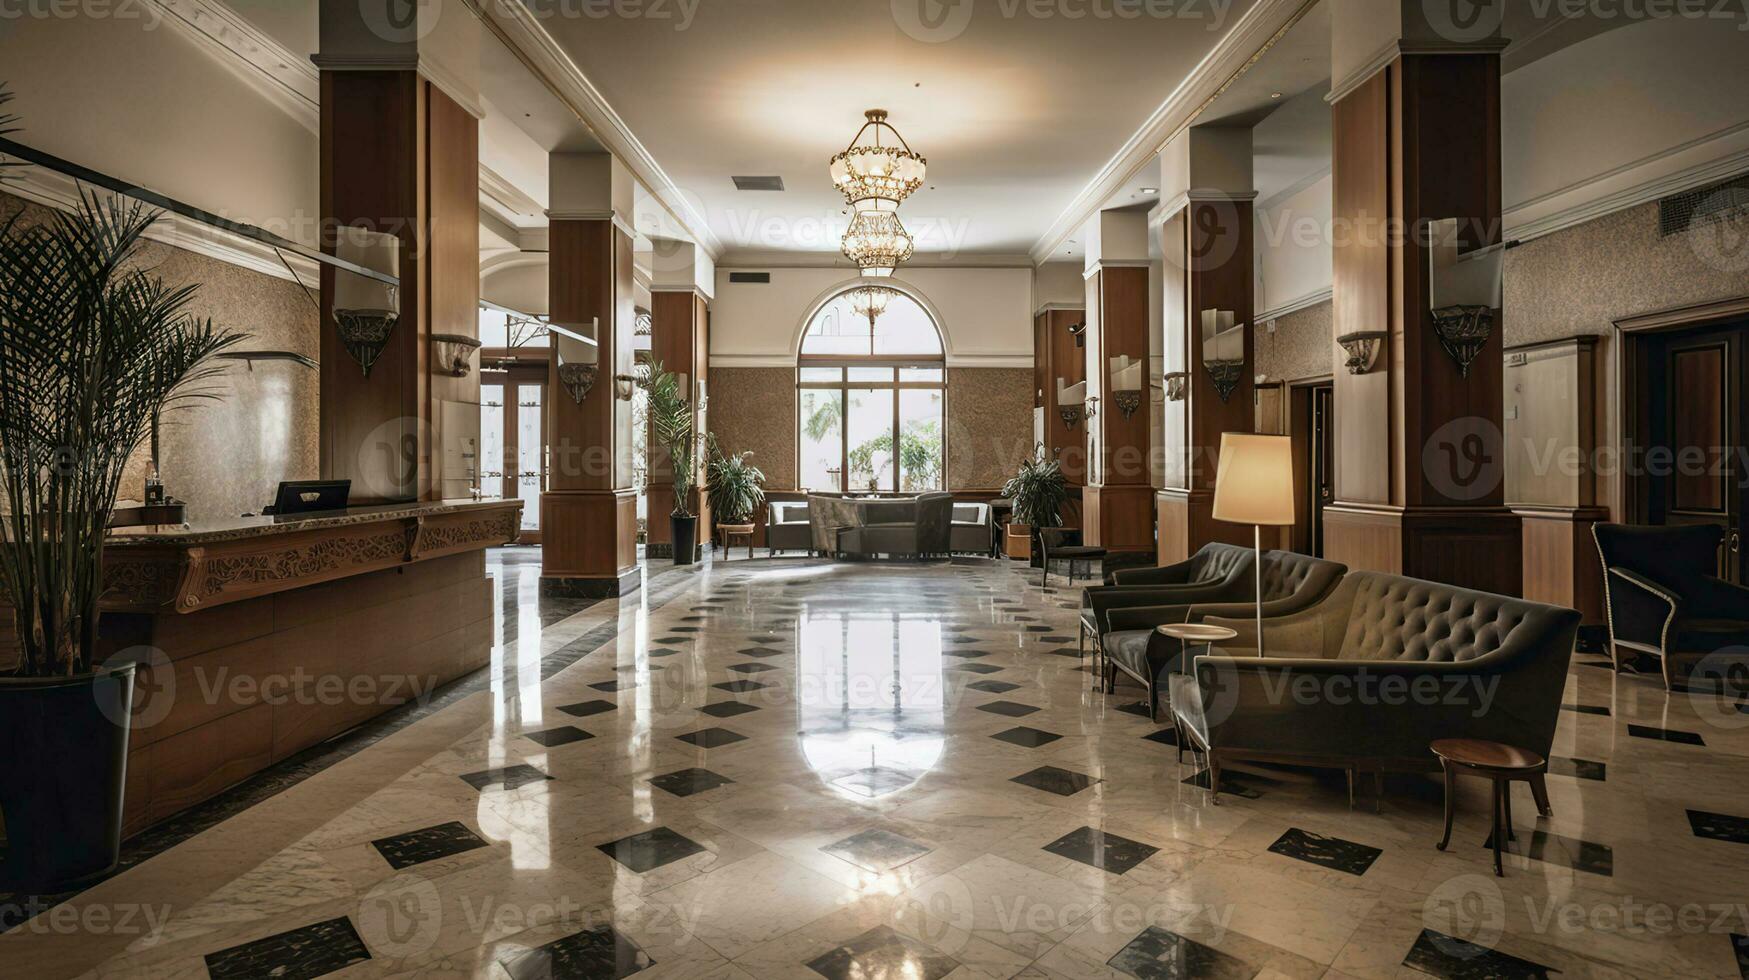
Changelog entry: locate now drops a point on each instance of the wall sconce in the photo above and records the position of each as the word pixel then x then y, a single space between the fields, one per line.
pixel 1362 348
pixel 366 309
pixel 1079 332
pixel 1126 384
pixel 1175 382
pixel 577 375
pixel 1223 350
pixel 455 352
pixel 1463 291
pixel 1071 400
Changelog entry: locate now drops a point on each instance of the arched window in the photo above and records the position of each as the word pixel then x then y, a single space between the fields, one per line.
pixel 871 393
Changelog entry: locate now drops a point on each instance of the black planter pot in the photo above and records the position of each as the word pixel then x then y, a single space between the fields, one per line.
pixel 684 531
pixel 63 769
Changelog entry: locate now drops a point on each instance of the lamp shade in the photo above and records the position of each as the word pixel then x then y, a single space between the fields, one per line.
pixel 1255 481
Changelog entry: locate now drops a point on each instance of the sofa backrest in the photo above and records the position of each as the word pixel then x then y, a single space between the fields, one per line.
pixel 1215 562
pixel 1675 556
pixel 1395 618
pixel 971 514
pixel 1285 573
pixel 888 511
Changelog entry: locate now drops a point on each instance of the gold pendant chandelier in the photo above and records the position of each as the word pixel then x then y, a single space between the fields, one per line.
pixel 877 176
pixel 871 301
pixel 877 242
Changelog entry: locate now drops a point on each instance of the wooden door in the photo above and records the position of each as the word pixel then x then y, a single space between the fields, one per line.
pixel 1699 476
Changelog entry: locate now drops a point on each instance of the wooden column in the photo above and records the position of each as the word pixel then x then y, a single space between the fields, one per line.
pixel 589 522
pixel 1417 445
pixel 1208 248
pixel 400 156
pixel 1118 504
pixel 679 319
pixel 1551 426
pixel 1057 355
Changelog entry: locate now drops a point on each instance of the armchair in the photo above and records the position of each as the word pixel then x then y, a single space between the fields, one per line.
pixel 1216 573
pixel 1379 669
pixel 1291 583
pixel 1054 545
pixel 1661 596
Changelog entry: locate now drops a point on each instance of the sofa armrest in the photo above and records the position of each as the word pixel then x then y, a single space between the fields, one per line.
pixel 1145 617
pixel 1714 597
pixel 1300 634
pixel 1102 598
pixel 1640 609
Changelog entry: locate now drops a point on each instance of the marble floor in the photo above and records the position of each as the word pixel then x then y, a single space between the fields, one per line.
pixel 778 768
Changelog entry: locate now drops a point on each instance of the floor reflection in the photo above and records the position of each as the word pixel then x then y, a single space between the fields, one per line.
pixel 869 698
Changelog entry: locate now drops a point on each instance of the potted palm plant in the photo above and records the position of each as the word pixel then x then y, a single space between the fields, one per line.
pixel 1039 491
pixel 671 424
pixel 734 487
pixel 92 349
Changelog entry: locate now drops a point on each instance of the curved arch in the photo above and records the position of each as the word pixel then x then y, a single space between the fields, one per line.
pixel 846 285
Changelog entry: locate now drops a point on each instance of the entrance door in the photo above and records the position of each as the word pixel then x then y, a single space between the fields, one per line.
pixel 1699 418
pixel 513 440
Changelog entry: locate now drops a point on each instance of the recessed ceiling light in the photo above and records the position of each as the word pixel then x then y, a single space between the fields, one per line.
pixel 1150 190
pixel 1275 95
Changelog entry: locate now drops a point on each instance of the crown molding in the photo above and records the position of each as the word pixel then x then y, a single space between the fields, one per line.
pixel 1297 304
pixel 761 260
pixel 288 80
pixel 1044 308
pixel 1396 47
pixel 1255 33
pixel 1179 202
pixel 53 189
pixel 515 25
pixel 595 214
pixel 446 81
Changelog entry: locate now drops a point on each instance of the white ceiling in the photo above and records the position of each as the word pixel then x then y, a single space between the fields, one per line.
pixel 1014 113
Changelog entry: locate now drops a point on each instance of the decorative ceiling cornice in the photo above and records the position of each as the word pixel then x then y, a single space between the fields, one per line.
pixel 516 26
pixel 288 79
pixel 1259 29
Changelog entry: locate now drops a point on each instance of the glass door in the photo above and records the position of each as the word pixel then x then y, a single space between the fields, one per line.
pixel 513 442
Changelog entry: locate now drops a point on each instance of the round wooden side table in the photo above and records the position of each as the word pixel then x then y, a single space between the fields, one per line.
pixel 1501 764
pixel 1186 634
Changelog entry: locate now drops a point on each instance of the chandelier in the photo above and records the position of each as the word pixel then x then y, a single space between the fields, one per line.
pixel 877 242
pixel 876 176
pixel 871 301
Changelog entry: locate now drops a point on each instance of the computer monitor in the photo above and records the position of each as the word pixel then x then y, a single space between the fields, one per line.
pixel 305 496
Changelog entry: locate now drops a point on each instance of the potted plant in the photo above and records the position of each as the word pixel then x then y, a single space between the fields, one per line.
pixel 671 424
pixel 1039 491
pixel 734 487
pixel 92 348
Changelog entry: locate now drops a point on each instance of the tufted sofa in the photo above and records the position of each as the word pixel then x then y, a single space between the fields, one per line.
pixel 1216 573
pixel 1291 582
pixel 1367 678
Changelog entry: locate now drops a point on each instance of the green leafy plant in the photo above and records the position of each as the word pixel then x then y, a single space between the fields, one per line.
pixel 734 487
pixel 671 425
pixel 1039 491
pixel 92 348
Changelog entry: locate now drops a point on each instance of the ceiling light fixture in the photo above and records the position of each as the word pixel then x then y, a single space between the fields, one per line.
pixel 871 301
pixel 876 176
pixel 877 242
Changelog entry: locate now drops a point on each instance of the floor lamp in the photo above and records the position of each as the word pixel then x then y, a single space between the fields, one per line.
pixel 1254 484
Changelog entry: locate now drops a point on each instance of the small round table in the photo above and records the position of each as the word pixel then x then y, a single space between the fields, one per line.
pixel 1186 634
pixel 732 531
pixel 1499 763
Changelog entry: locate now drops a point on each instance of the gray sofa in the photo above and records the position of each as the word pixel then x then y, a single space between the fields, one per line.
pixel 916 526
pixel 1365 679
pixel 1216 573
pixel 786 527
pixel 1130 643
pixel 970 533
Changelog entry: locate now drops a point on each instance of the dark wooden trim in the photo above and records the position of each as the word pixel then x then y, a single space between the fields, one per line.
pixel 1685 317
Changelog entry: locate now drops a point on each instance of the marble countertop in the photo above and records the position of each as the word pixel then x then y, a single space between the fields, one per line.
pixel 251 527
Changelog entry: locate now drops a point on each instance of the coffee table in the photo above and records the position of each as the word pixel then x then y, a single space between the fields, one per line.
pixel 1500 763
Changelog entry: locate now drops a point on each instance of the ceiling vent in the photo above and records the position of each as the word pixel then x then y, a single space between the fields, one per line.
pixel 758 183
pixel 1707 205
pixel 750 277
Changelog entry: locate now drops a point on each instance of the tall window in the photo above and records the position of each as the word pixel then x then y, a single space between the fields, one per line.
pixel 871 399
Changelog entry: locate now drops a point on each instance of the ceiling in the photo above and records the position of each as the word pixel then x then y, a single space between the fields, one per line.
pixel 1014 112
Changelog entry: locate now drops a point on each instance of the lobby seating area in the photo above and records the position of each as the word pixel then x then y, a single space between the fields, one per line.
pixel 908 490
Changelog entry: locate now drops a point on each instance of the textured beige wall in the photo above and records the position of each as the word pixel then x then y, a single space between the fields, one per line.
pixel 1302 345
pixel 225 457
pixel 989 425
pixel 989 422
pixel 1580 280
pixel 755 408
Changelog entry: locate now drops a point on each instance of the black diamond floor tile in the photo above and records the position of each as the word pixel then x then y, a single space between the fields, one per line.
pixel 562 735
pixel 877 850
pixel 710 738
pixel 1051 779
pixel 1586 709
pixel 1108 852
pixel 1719 826
pixel 992 687
pixel 689 781
pixel 1161 954
pixel 651 849
pixel 741 686
pixel 1440 955
pixel 593 954
pixel 875 781
pixel 728 709
pixel 504 777
pixel 300 954
pixel 1578 768
pixel 614 685
pixel 1326 852
pixel 1665 734
pixel 1029 738
pixel 883 952
pixel 751 668
pixel 428 844
pixel 978 668
pixel 584 709
pixel 1011 709
pixel 1567 852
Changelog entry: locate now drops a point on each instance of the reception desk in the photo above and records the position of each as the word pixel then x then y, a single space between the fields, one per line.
pixel 260 637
